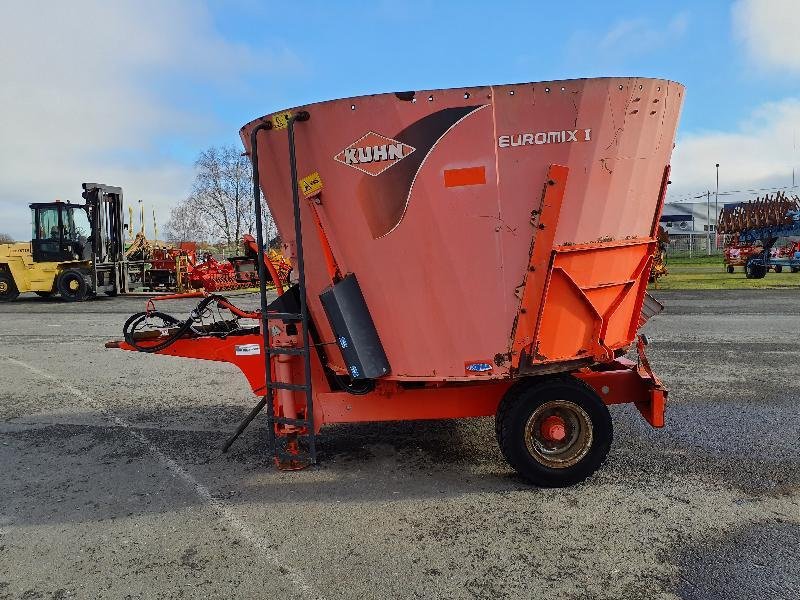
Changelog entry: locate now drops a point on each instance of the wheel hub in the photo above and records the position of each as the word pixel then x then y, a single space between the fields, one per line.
pixel 558 434
pixel 74 285
pixel 554 429
pixel 3 287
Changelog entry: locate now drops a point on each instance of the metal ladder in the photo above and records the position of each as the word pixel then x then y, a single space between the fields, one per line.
pixel 292 456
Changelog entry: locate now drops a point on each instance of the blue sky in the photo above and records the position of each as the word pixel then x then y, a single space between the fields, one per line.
pixel 160 81
pixel 385 46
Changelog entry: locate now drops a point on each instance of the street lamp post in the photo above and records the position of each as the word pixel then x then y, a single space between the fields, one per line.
pixel 708 222
pixel 716 210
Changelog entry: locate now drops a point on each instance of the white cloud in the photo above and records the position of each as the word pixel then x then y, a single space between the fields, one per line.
pixel 594 51
pixel 770 30
pixel 640 33
pixel 85 95
pixel 763 150
pixel 760 152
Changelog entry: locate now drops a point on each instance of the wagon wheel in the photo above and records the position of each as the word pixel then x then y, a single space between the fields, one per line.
pixel 555 432
pixel 730 268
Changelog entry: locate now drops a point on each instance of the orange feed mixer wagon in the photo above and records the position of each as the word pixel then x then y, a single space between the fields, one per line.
pixel 457 253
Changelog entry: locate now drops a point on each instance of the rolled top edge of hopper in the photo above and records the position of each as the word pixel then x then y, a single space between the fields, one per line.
pixel 468 90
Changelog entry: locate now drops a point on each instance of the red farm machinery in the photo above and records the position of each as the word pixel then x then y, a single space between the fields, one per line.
pixel 457 253
pixel 752 230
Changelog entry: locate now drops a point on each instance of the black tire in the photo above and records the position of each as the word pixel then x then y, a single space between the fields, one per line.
pixel 73 285
pixel 356 387
pixel 586 425
pixel 754 271
pixel 730 269
pixel 111 293
pixel 778 268
pixel 795 269
pixel 8 288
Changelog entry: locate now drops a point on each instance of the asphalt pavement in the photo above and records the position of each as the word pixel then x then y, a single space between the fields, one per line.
pixel 112 484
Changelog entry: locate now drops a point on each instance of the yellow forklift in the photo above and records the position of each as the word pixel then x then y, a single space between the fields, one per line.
pixel 77 250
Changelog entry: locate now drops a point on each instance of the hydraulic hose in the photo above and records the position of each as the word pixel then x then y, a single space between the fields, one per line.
pixel 183 327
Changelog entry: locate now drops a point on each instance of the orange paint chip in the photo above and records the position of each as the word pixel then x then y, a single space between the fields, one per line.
pixel 468 176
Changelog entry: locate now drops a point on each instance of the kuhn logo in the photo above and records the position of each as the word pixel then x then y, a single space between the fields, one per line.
pixel 373 153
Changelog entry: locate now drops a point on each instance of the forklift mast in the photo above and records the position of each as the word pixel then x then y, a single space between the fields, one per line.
pixel 105 208
pixel 104 205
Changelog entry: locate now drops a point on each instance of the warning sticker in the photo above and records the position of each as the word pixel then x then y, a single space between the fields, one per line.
pixel 311 184
pixel 247 349
pixel 281 120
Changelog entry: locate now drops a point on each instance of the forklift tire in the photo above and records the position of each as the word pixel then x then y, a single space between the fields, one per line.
pixel 8 288
pixel 73 285
pixel 778 268
pixel 730 269
pixel 554 432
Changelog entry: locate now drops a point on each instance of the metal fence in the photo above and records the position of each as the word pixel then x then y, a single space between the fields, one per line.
pixel 694 245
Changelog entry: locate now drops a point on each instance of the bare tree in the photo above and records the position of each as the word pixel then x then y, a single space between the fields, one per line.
pixel 6 239
pixel 186 223
pixel 221 204
pixel 221 192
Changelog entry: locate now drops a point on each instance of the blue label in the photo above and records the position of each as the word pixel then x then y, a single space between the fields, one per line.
pixel 479 367
pixel 343 341
pixel 354 371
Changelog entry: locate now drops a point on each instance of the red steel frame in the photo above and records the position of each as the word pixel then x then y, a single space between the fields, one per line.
pixel 616 381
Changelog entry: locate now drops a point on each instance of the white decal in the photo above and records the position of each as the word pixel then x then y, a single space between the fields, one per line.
pixel 543 137
pixel 247 349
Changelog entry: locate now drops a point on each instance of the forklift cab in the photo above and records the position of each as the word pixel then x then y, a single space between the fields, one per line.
pixel 61 232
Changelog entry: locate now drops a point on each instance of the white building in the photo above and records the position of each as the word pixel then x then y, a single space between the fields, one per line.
pixel 690 217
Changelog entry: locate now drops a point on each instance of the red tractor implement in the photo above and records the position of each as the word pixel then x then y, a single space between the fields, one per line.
pixel 755 227
pixel 457 253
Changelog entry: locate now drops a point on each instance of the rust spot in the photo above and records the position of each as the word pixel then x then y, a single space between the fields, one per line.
pixel 500 359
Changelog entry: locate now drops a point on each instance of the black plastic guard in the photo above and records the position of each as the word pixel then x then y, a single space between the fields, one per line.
pixel 354 329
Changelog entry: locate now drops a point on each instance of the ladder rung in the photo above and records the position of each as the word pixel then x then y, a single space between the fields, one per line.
pixel 292 351
pixel 285 316
pixel 303 457
pixel 302 454
pixel 279 385
pixel 296 422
